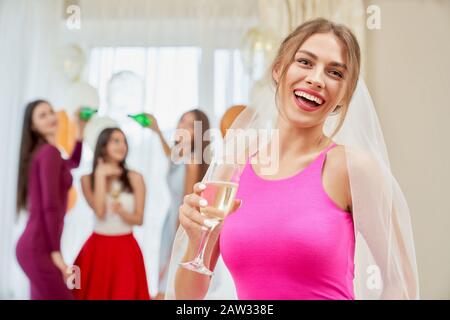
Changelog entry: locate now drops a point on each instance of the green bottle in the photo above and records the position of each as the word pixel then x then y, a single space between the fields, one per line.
pixel 142 119
pixel 87 112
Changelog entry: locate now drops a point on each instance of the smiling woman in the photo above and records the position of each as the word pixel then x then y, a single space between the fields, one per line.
pixel 325 57
pixel 111 262
pixel 43 183
pixel 295 234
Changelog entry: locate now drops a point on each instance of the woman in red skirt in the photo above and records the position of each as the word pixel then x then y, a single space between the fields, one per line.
pixel 111 263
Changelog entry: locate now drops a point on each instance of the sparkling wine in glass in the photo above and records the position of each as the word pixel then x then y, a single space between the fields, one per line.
pixel 221 182
pixel 220 195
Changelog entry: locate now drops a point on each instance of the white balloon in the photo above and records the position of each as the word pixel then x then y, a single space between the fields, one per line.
pixel 94 127
pixel 80 94
pixel 258 48
pixel 125 94
pixel 70 60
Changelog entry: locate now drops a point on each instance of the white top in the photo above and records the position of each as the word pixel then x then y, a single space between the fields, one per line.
pixel 112 223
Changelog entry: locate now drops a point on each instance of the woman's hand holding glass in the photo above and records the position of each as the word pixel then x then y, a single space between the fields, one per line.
pixel 202 222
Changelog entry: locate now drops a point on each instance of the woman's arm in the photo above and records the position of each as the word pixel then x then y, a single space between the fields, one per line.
pixel 74 160
pixel 50 167
pixel 100 193
pixel 191 178
pixel 87 190
pixel 164 143
pixel 95 198
pixel 136 217
pixel 191 285
pixel 154 126
pixel 376 217
pixel 58 261
pixel 337 185
pixel 335 179
pixel 192 172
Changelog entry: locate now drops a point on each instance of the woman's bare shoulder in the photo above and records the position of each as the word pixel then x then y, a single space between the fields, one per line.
pixel 341 159
pixel 337 160
pixel 135 176
pixel 336 179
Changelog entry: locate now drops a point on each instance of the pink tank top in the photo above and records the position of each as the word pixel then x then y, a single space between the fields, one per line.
pixel 289 240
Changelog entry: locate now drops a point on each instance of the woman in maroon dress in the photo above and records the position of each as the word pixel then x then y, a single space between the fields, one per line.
pixel 43 183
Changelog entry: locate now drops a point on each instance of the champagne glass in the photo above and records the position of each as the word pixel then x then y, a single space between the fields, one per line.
pixel 221 182
pixel 116 189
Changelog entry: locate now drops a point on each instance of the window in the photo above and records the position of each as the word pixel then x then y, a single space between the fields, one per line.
pixel 231 83
pixel 170 77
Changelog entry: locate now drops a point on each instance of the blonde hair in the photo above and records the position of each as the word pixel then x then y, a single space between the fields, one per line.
pixel 288 48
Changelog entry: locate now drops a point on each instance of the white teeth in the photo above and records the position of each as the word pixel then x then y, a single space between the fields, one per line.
pixel 308 96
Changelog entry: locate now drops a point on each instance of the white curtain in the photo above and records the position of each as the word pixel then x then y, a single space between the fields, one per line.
pixel 27 39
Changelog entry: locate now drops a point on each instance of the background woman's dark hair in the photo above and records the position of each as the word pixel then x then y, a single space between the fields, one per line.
pixel 100 152
pixel 30 142
pixel 201 116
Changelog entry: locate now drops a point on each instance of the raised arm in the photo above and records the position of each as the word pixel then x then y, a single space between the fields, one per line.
pixel 139 192
pixel 164 143
pixel 74 160
pixel 96 197
pixel 154 126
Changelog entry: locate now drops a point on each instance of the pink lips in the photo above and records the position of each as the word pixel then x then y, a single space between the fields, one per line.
pixel 302 105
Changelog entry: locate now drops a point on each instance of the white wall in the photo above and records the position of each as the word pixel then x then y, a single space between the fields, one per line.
pixel 408 73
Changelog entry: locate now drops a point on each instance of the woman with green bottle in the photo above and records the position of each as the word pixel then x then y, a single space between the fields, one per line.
pixel 86 112
pixel 181 178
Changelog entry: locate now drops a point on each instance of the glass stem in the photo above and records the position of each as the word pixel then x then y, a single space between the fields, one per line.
pixel 204 240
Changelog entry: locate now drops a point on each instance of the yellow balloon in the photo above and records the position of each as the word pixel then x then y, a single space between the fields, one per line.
pixel 66 133
pixel 61 133
pixel 66 139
